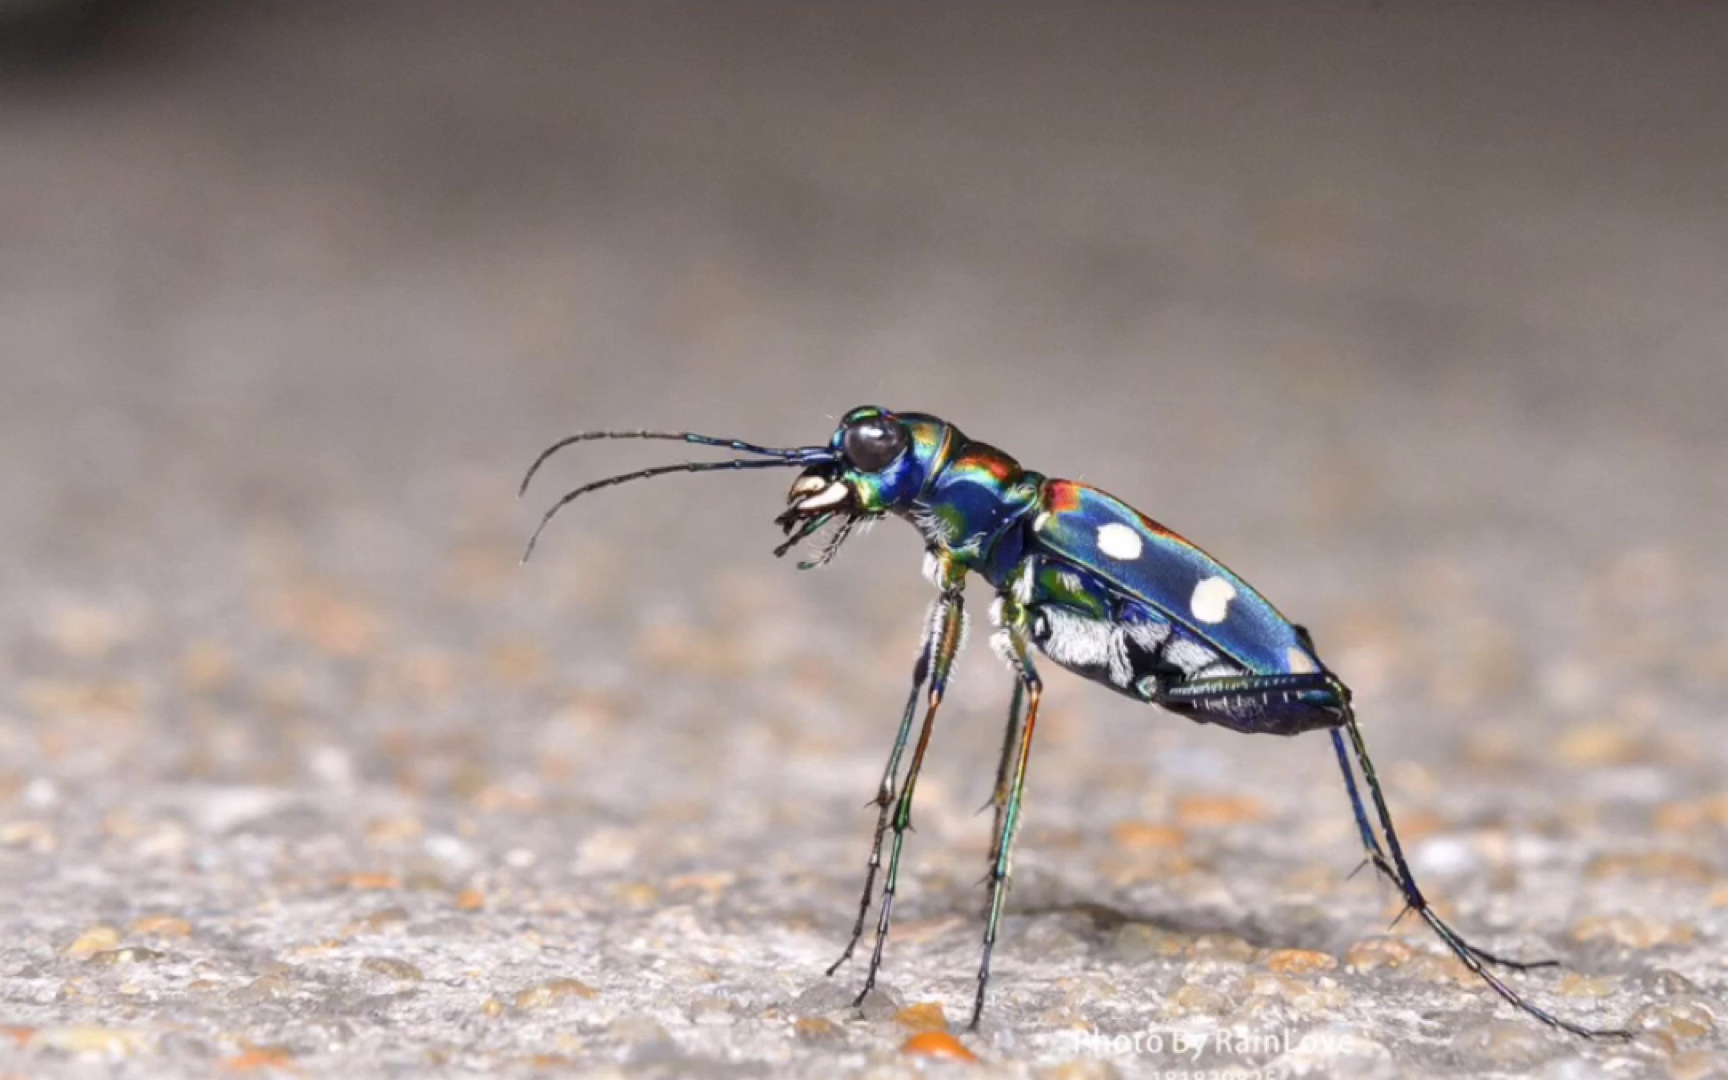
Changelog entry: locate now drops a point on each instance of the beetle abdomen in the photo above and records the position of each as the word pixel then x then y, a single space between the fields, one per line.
pixel 1140 560
pixel 1139 657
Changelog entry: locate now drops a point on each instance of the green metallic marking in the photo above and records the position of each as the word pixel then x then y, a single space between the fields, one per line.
pixel 1063 586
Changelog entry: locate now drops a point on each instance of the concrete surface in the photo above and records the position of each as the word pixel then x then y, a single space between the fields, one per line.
pixel 1412 313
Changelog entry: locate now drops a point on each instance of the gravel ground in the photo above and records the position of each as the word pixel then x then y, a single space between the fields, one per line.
pixel 1413 314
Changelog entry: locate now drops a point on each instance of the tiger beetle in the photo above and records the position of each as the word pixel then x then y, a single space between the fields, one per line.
pixel 1099 589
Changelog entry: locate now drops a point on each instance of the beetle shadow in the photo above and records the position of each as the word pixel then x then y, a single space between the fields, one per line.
pixel 1106 920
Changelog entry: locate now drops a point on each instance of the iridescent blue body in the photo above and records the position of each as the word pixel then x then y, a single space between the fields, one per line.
pixel 1112 595
pixel 1090 583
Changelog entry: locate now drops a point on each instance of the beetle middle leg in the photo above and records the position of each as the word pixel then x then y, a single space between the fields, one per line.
pixel 1012 639
pixel 1005 766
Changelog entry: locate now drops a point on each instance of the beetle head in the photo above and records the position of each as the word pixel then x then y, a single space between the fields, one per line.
pixel 878 464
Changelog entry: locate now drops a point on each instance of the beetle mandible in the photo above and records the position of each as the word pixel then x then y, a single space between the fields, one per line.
pixel 1092 584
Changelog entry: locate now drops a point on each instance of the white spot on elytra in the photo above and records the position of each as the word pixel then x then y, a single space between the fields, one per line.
pixel 1299 662
pixel 1040 521
pixel 1211 600
pixel 1119 541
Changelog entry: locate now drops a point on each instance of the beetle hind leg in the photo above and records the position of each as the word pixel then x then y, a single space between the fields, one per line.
pixel 1396 869
pixel 1288 704
pixel 1387 868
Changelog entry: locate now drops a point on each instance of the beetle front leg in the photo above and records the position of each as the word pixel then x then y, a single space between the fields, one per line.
pixel 947 628
pixel 885 792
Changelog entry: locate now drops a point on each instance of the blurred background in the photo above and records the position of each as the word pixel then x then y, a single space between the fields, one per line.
pixel 1411 312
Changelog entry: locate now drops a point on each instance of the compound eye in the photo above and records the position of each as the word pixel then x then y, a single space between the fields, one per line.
pixel 873 444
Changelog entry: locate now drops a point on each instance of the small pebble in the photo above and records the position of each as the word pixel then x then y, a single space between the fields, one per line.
pixel 260 1057
pixel 647 1041
pixel 1576 984
pixel 131 954
pixel 1632 931
pixel 1223 947
pixel 822 999
pixel 1262 984
pixel 1681 1020
pixel 1212 811
pixel 104 1042
pixel 1507 1042
pixel 378 921
pixel 470 900
pixel 161 926
pixel 711 884
pixel 271 987
pixel 1600 744
pixel 1299 961
pixel 36 836
pixel 937 1044
pixel 1441 969
pixel 881 1004
pixel 922 1016
pixel 94 940
pixel 817 1029
pixel 1195 999
pixel 1665 865
pixel 1135 941
pixel 1375 953
pixel 205 666
pixel 392 831
pixel 392 968
pixel 636 894
pixel 369 881
pixel 1143 836
pixel 548 993
pixel 516 661
pixel 86 631
pixel 1697 1065
pixel 1664 982
pixel 712 1009
pixel 330 621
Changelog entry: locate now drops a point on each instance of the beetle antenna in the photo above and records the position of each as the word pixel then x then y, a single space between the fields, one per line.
pixel 802 453
pixel 644 474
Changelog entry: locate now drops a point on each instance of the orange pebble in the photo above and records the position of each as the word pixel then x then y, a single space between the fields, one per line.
pixel 369 881
pixel 924 1016
pixel 937 1044
pixel 260 1057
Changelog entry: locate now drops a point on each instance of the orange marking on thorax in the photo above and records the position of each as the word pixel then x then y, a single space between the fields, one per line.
pixel 1063 496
